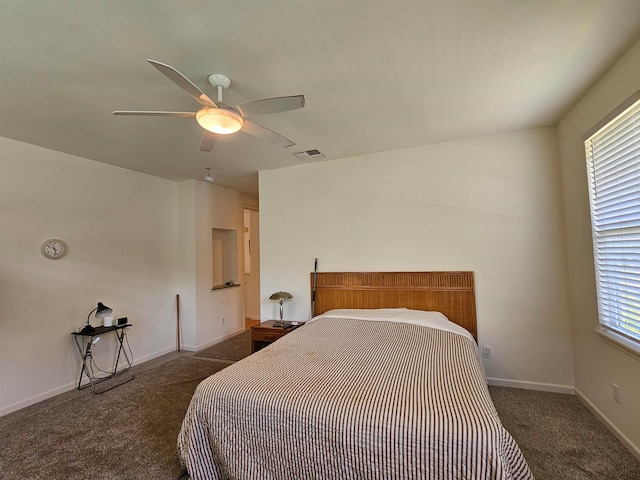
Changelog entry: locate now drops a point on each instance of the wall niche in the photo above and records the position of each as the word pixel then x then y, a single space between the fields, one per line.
pixel 224 249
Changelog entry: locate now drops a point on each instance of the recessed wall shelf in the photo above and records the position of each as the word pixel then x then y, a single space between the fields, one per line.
pixel 224 253
pixel 221 287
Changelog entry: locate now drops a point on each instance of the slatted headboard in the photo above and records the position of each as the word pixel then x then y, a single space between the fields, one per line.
pixel 452 293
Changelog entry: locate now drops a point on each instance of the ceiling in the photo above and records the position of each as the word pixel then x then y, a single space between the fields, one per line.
pixel 378 75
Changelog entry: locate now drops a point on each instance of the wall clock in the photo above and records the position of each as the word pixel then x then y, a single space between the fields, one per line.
pixel 54 248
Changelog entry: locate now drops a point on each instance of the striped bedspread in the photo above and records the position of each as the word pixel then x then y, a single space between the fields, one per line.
pixel 342 398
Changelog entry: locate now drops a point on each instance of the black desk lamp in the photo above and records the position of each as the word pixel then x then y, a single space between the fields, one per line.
pixel 101 311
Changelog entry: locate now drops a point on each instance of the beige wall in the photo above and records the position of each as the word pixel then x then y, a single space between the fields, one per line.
pixel 121 230
pixel 135 241
pixel 203 207
pixel 186 267
pixel 491 205
pixel 598 365
pixel 217 207
pixel 252 279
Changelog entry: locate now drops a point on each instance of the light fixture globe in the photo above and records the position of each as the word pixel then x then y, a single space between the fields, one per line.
pixel 219 120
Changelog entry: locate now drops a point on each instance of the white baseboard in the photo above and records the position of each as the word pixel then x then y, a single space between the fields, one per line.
pixel 70 386
pixel 544 387
pixel 151 356
pixel 36 398
pixel 632 447
pixel 202 346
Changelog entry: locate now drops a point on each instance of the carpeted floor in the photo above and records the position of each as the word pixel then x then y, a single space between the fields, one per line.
pixel 560 438
pixel 130 432
pixel 233 349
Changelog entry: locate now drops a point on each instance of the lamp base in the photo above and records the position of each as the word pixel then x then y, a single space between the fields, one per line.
pixel 282 324
pixel 88 329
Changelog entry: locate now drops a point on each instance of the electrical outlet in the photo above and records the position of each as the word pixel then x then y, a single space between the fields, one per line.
pixel 221 320
pixel 486 352
pixel 616 393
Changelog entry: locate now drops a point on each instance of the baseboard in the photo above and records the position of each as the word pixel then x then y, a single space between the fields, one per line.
pixel 629 445
pixel 36 398
pixel 197 348
pixel 544 387
pixel 151 356
pixel 70 386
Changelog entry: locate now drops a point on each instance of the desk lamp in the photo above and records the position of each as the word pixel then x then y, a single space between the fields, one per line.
pixel 281 296
pixel 101 311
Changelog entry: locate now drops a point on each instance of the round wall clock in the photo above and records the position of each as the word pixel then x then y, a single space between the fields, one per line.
pixel 54 248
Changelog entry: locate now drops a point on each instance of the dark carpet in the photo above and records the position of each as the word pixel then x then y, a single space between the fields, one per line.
pixel 232 349
pixel 130 432
pixel 561 438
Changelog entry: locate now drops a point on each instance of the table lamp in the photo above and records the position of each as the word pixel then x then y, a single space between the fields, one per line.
pixel 101 311
pixel 281 296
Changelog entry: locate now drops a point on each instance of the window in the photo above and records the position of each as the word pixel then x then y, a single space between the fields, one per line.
pixel 613 166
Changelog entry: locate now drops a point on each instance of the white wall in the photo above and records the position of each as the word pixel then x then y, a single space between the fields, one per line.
pixel 491 205
pixel 212 211
pixel 121 230
pixel 135 242
pixel 207 206
pixel 598 365
pixel 252 280
pixel 186 256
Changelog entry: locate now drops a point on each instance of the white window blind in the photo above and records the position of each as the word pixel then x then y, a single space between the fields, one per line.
pixel 613 164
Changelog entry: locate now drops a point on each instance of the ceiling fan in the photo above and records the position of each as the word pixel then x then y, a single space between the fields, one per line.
pixel 217 118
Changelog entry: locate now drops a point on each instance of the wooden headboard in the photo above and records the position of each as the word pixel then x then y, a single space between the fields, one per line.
pixel 451 293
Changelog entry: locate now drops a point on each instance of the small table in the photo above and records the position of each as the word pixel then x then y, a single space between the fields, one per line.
pixel 84 342
pixel 267 332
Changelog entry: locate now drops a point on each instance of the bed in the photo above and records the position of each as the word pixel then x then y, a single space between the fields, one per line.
pixel 379 384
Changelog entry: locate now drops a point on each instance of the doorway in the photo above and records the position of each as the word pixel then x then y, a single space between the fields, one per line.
pixel 251 248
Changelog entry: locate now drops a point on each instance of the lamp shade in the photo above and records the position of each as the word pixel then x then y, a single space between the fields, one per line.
pixel 103 310
pixel 281 296
pixel 219 120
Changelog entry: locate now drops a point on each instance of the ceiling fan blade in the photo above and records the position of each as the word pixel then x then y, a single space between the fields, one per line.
pixel 154 114
pixel 184 83
pixel 271 105
pixel 209 139
pixel 265 134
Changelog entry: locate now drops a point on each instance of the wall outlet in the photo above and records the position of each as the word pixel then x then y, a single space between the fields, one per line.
pixel 486 352
pixel 221 320
pixel 616 393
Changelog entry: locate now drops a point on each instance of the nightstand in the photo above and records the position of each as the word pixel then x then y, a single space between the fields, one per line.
pixel 266 333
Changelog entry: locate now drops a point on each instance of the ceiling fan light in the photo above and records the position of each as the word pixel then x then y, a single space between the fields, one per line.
pixel 219 120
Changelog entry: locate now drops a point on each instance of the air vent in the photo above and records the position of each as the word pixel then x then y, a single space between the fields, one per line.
pixel 310 155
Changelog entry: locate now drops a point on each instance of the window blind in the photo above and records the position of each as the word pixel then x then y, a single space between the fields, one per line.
pixel 613 165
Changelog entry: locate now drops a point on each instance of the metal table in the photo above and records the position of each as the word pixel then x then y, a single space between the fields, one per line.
pixel 85 340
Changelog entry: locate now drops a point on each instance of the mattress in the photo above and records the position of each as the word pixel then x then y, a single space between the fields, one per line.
pixel 352 395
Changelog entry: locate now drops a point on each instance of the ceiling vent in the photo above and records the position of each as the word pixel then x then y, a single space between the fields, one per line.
pixel 310 155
